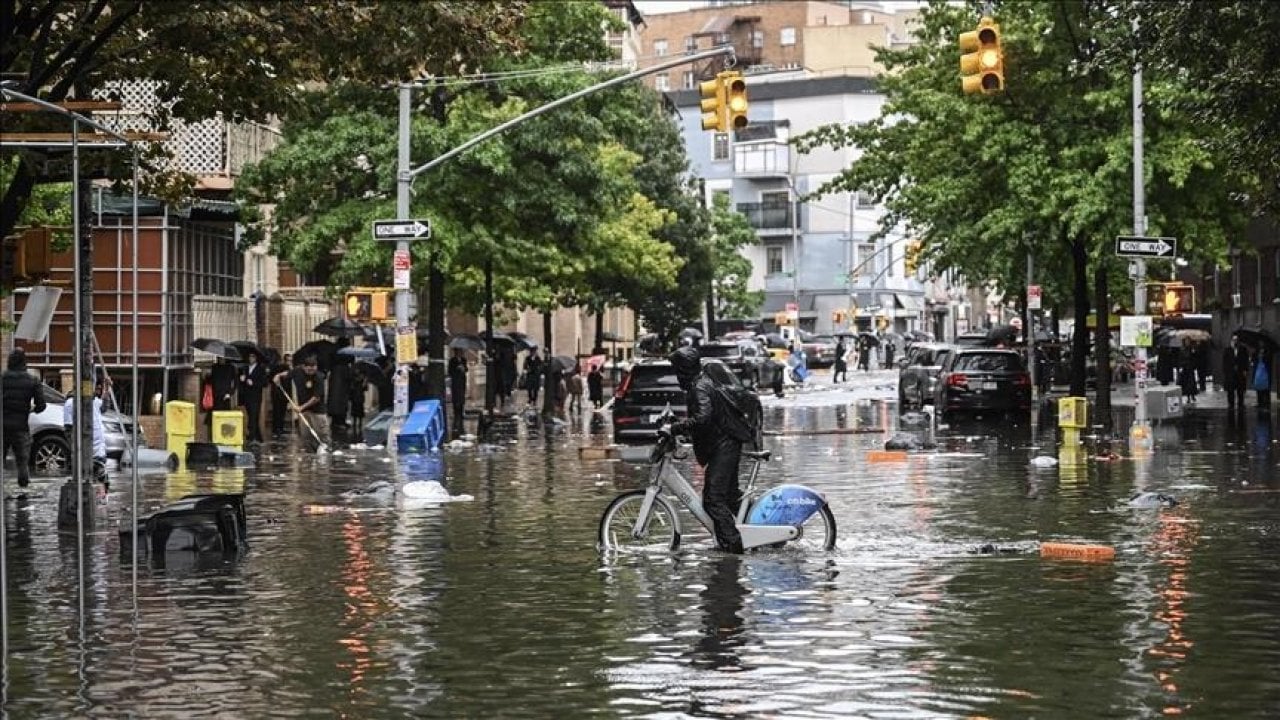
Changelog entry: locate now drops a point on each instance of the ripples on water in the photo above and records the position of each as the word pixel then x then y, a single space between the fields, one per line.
pixel 502 607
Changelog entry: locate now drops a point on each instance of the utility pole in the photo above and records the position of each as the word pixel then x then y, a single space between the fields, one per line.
pixel 1140 433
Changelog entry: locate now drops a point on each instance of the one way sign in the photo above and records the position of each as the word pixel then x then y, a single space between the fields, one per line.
pixel 401 229
pixel 1154 247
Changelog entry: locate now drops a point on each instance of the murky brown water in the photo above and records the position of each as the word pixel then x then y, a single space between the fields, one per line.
pixel 502 607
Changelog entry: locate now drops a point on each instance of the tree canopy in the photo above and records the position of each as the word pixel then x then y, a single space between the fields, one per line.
pixel 1044 167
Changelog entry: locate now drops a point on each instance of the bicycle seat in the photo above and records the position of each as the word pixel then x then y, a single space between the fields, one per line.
pixel 761 455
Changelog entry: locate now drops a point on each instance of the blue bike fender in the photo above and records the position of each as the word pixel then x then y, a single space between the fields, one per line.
pixel 786 505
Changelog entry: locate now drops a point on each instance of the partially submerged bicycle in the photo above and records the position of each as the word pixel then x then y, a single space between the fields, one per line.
pixel 645 519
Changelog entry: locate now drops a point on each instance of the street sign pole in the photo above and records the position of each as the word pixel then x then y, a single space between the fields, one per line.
pixel 403 165
pixel 1140 441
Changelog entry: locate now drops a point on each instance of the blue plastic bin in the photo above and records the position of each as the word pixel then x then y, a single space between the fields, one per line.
pixel 423 430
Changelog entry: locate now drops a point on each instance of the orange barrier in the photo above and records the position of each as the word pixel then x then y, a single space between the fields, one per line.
pixel 1076 551
pixel 887 456
pixel 322 509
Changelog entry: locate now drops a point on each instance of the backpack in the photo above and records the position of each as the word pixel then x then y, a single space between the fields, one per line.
pixel 742 416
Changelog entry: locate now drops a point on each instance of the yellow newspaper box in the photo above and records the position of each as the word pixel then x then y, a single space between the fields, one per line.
pixel 1073 413
pixel 227 429
pixel 179 426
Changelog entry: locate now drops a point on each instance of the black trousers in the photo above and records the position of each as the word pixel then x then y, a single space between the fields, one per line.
pixel 721 494
pixel 1235 396
pixel 279 411
pixel 253 417
pixel 19 440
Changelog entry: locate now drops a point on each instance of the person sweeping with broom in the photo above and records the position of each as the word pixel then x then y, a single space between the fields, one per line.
pixel 305 392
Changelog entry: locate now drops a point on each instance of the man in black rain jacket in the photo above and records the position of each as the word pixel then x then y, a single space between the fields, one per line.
pixel 718 428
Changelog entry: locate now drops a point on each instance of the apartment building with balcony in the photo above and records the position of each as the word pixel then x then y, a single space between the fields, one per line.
pixel 807 64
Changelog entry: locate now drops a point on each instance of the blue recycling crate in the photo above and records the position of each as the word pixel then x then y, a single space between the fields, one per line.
pixel 424 428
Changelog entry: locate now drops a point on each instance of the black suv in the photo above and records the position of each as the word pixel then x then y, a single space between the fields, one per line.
pixel 983 380
pixel 646 391
pixel 744 357
pixel 919 376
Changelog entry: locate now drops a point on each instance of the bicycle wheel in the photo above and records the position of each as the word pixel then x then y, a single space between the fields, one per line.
pixel 619 520
pixel 818 532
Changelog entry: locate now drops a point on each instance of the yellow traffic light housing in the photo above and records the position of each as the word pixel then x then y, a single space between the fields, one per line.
pixel 1179 299
pixel 724 102
pixel 365 305
pixel 713 105
pixel 982 61
pixel 736 96
pixel 911 260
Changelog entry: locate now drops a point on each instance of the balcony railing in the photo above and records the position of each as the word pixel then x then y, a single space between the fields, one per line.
pixel 762 158
pixel 767 216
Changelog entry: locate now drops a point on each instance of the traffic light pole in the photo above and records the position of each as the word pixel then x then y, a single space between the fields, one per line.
pixel 1140 433
pixel 406 173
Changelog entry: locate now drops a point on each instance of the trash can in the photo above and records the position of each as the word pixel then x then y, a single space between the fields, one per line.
pixel 1164 402
pixel 1073 413
pixel 179 426
pixel 227 429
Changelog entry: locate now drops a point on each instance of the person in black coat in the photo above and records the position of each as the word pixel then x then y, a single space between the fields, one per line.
pixel 458 387
pixel 252 381
pixel 338 395
pixel 533 367
pixel 22 396
pixel 1235 374
pixel 279 403
pixel 595 386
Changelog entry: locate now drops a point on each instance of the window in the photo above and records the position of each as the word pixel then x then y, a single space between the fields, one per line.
pixel 720 147
pixel 659 47
pixel 773 261
pixel 662 82
pixel 788 36
pixel 690 44
pixel 864 259
pixel 723 38
pixel 774 199
pixel 688 80
pixel 757 39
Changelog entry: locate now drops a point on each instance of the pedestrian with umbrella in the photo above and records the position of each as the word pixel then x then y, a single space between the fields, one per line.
pixel 338 392
pixel 279 403
pixel 1235 374
pixel 595 385
pixel 533 368
pixel 458 387
pixel 253 380
pixel 839 368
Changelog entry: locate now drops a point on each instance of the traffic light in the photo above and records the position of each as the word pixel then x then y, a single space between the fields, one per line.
pixel 736 94
pixel 724 102
pixel 837 317
pixel 366 305
pixel 912 258
pixel 982 61
pixel 1179 299
pixel 713 105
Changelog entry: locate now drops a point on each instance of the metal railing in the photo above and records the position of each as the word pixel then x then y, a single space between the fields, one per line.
pixel 767 216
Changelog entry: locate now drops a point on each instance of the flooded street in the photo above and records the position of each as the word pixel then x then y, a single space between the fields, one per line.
pixel 503 607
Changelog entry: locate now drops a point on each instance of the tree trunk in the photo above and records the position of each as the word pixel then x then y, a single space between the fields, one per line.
pixel 548 381
pixel 1102 341
pixel 597 347
pixel 1080 296
pixel 435 341
pixel 16 197
pixel 490 376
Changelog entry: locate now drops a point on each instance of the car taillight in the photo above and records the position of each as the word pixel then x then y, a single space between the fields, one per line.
pixel 957 380
pixel 1022 379
pixel 621 392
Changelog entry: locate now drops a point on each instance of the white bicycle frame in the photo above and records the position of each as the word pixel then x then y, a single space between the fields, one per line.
pixel 664 474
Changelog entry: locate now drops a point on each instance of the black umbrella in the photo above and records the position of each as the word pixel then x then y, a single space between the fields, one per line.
pixel 359 353
pixel 1002 333
pixel 869 338
pixel 370 370
pixel 497 337
pixel 245 347
pixel 339 327
pixel 324 351
pixel 774 340
pixel 690 333
pixel 466 341
pixel 217 348
pixel 522 341
pixel 563 363
pixel 1255 336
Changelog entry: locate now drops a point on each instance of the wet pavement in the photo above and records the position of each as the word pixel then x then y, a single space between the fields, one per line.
pixel 502 606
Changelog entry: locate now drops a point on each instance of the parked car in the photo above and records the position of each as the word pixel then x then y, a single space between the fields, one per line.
pixel 648 390
pixel 819 350
pixel 744 357
pixel 982 380
pixel 918 376
pixel 50 446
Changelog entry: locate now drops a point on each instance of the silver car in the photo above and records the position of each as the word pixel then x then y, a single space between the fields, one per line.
pixel 50 446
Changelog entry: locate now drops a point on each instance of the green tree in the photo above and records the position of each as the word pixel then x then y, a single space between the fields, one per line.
pixel 1228 51
pixel 1044 167
pixel 730 233
pixel 241 58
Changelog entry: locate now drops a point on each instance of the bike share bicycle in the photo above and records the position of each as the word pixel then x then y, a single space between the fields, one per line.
pixel 645 519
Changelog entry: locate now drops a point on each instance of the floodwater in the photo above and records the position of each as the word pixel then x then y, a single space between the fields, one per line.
pixel 502 606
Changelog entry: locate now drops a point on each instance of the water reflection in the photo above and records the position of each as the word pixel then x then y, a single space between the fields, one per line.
pixel 722 622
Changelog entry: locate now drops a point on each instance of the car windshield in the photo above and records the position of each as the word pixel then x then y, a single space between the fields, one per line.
pixel 648 377
pixel 988 362
pixel 720 351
